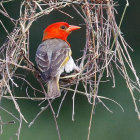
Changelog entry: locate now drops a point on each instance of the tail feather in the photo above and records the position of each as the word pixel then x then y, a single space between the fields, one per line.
pixel 53 88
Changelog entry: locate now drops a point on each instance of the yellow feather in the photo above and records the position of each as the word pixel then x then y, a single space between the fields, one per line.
pixel 66 59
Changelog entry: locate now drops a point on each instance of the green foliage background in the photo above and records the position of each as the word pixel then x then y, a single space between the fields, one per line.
pixel 105 125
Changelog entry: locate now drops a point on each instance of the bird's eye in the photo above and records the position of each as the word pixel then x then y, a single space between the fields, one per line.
pixel 63 27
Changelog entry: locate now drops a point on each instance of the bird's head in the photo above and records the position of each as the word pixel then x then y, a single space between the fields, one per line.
pixel 59 30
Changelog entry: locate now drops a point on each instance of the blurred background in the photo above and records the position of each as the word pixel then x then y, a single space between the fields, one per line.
pixel 105 126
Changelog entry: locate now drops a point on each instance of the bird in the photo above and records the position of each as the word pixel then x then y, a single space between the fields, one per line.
pixel 54 56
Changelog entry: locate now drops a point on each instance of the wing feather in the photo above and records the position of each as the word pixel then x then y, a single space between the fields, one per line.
pixel 50 56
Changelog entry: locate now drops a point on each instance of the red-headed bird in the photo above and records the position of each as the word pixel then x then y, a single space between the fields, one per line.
pixel 53 56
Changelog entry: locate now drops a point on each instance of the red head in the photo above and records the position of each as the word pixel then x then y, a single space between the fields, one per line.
pixel 59 30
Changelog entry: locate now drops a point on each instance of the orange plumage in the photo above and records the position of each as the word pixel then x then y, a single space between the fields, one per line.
pixel 59 30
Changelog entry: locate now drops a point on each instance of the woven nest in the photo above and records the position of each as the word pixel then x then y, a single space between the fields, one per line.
pixel 104 51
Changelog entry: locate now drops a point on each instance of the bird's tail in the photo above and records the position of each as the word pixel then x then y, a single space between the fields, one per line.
pixel 53 88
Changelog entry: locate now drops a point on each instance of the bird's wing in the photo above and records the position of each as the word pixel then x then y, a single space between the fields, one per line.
pixel 51 55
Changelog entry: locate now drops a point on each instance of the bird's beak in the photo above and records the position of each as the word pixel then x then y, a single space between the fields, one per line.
pixel 73 27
